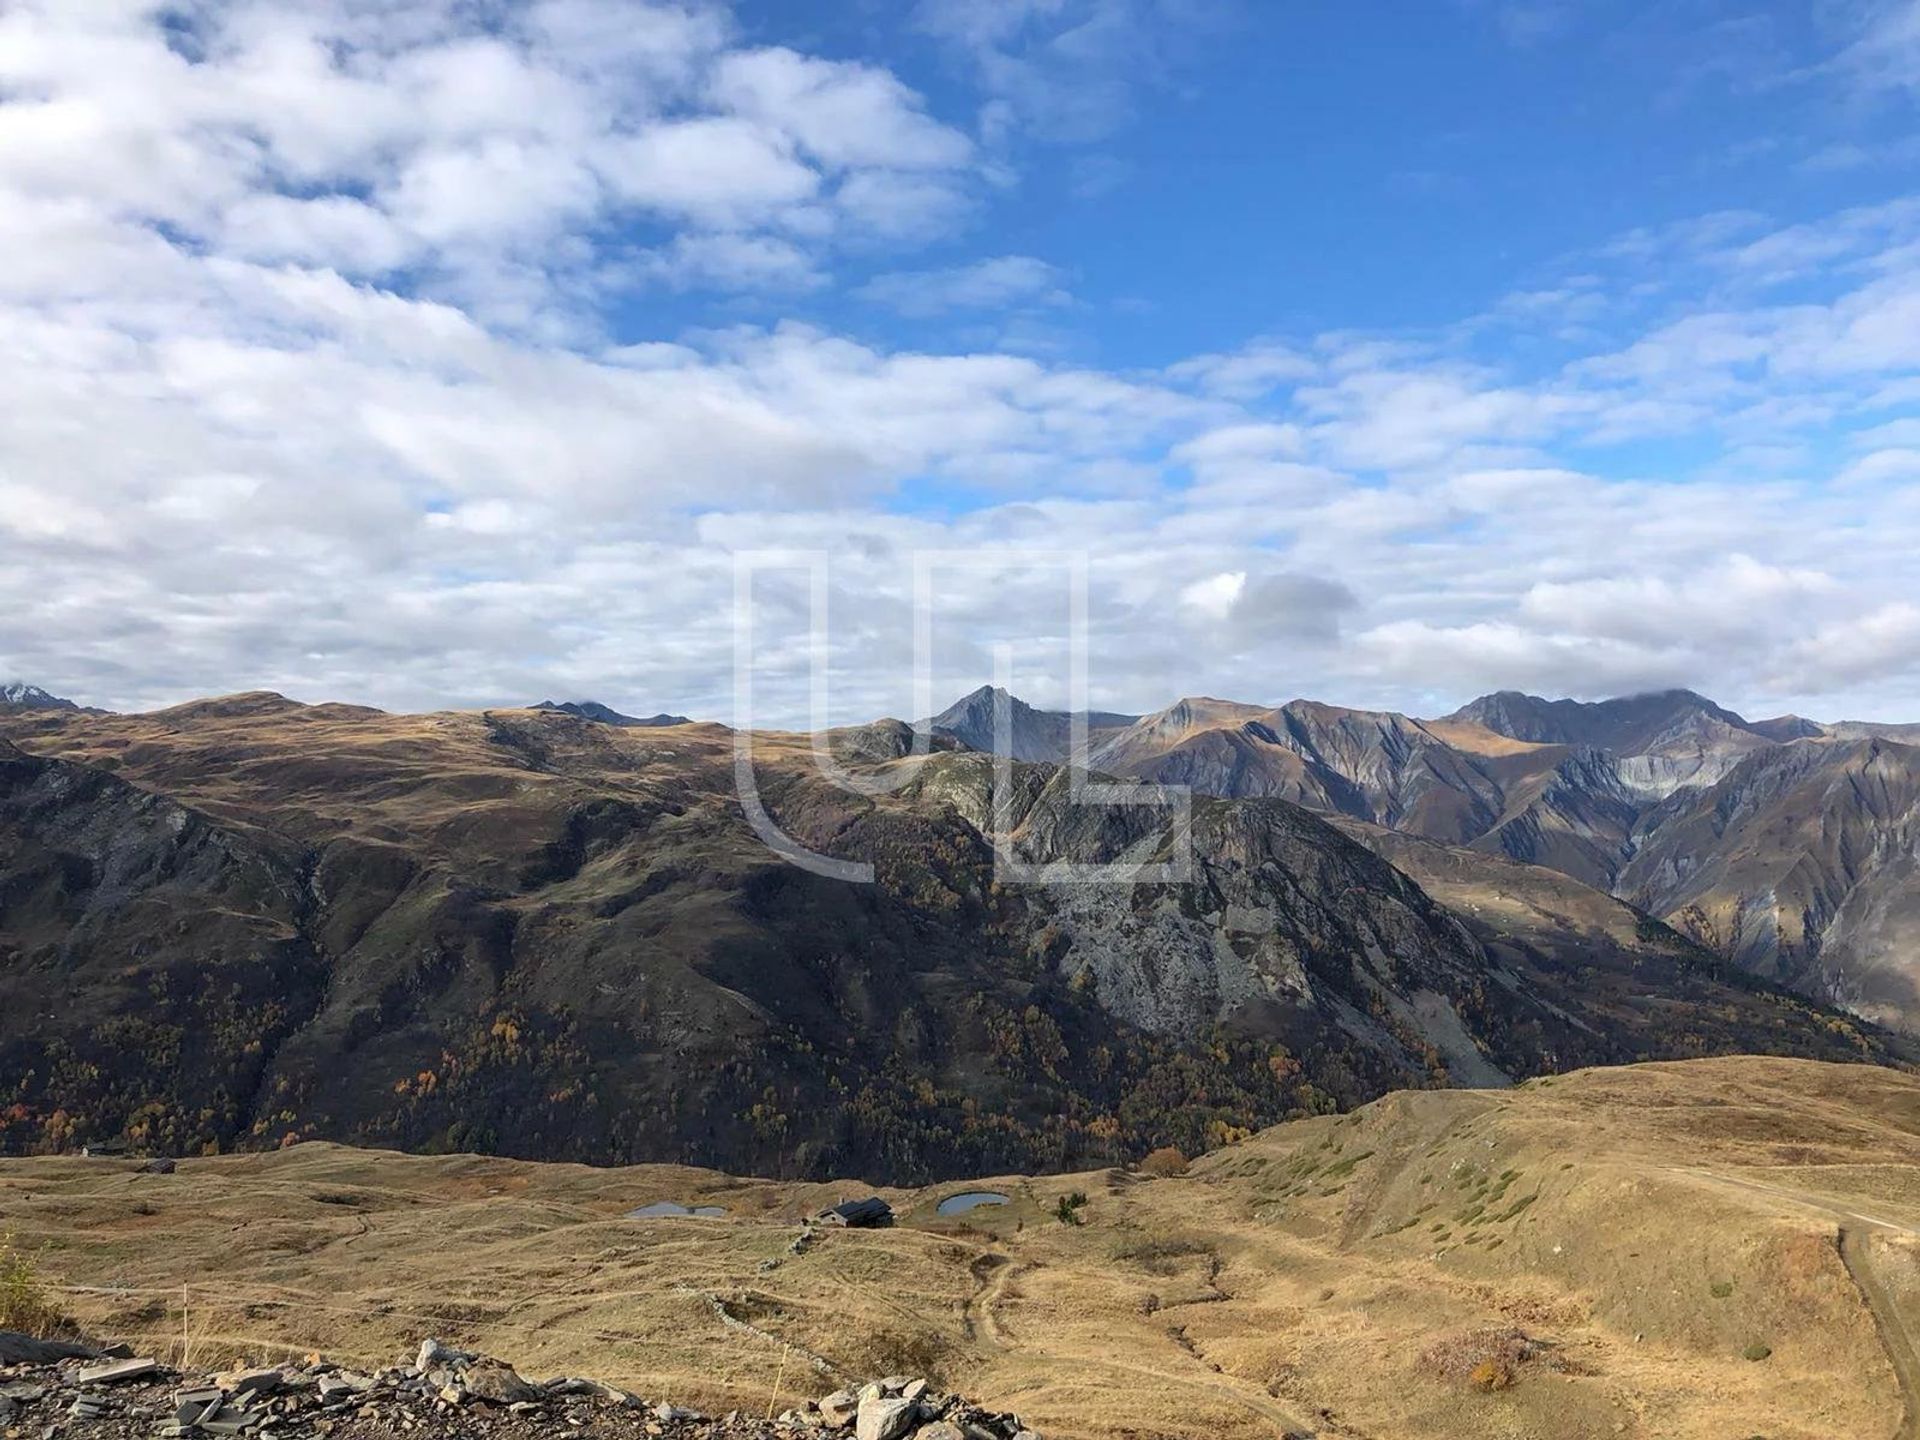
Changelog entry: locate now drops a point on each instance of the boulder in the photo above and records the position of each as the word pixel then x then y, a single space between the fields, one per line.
pixel 251 1382
pixel 940 1430
pixel 18 1349
pixel 497 1384
pixel 840 1408
pixel 434 1355
pixel 115 1371
pixel 881 1418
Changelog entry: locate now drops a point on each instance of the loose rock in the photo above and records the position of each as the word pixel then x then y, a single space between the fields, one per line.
pixel 441 1393
pixel 881 1418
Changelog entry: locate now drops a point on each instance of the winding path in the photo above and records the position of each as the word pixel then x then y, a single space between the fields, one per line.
pixel 1895 1334
pixel 1895 1329
pixel 996 1272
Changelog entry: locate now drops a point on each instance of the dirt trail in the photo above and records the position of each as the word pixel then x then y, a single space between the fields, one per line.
pixel 1896 1332
pixel 1285 1422
pixel 996 1273
pixel 988 1301
pixel 975 1312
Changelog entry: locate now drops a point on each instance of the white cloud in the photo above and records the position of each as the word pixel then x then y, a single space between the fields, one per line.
pixel 1499 654
pixel 1886 51
pixel 1739 598
pixel 1856 650
pixel 1214 597
pixel 844 115
pixel 482 159
pixel 1000 283
pixel 1391 418
pixel 720 170
pixel 1247 373
pixel 305 377
pixel 1882 465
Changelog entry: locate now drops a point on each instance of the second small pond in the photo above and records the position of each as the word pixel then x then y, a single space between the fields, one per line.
pixel 661 1209
pixel 969 1200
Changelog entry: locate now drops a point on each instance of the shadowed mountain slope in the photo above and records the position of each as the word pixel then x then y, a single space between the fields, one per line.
pixel 1802 864
pixel 1041 736
pixel 1669 800
pixel 529 932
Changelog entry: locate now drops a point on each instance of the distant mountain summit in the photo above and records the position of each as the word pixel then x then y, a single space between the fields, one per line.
pixel 607 715
pixel 22 696
pixel 1625 726
pixel 1041 736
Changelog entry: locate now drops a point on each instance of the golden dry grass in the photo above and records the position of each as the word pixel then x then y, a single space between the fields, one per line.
pixel 1476 739
pixel 1642 1228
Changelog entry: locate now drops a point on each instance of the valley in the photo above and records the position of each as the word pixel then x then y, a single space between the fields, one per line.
pixel 1676 1250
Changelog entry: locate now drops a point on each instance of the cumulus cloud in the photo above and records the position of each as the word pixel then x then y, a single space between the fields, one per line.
pixel 1215 597
pixel 310 385
pixel 1251 371
pixel 472 154
pixel 1863 648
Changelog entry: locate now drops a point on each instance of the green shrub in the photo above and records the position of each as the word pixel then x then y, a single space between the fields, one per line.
pixel 25 1305
pixel 1340 1169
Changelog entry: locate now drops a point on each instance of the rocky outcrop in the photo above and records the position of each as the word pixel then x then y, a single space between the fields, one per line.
pixel 1801 864
pixel 606 715
pixel 1642 797
pixel 442 1391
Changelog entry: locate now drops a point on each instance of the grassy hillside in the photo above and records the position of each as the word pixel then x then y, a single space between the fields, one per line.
pixel 1707 1249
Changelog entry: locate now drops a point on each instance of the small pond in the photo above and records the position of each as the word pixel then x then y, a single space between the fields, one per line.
pixel 969 1200
pixel 660 1209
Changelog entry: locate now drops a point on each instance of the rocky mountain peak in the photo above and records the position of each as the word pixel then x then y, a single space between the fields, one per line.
pixel 32 697
pixel 1624 726
pixel 1038 735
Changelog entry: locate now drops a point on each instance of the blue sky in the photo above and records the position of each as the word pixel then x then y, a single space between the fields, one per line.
pixel 1300 168
pixel 433 353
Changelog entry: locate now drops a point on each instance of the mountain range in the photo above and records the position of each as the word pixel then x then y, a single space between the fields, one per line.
pixel 607 715
pixel 244 920
pixel 1785 845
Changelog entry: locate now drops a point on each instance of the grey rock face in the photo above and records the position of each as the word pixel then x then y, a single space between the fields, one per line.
pixel 883 1418
pixel 1035 735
